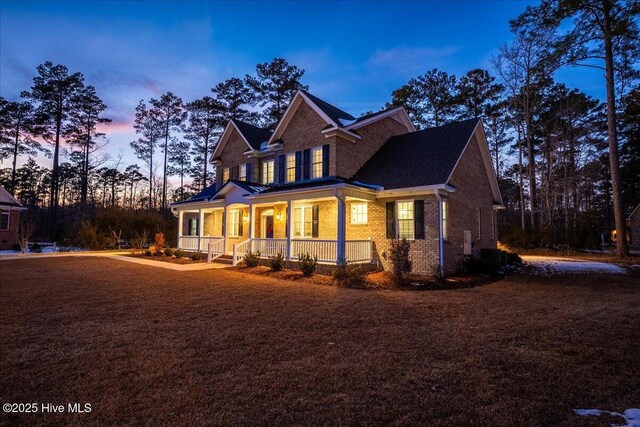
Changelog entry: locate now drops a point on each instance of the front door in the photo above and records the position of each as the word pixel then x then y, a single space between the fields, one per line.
pixel 268 226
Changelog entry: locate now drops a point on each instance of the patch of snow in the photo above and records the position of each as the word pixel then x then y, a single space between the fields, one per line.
pixel 548 266
pixel 631 416
pixel 347 122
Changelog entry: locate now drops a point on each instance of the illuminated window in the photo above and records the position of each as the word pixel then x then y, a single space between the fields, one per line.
pixel 445 219
pixel 302 221
pixel 291 167
pixel 359 213
pixel 225 175
pixel 267 171
pixel 316 162
pixel 242 172
pixel 405 219
pixel 4 220
pixel 234 223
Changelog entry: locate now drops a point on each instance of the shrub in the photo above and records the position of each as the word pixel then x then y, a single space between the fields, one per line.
pixel 400 262
pixel 178 253
pixel 138 241
pixel 35 248
pixel 307 264
pixel 277 262
pixel 168 252
pixel 251 259
pixel 158 242
pixel 148 252
pixel 196 256
pixel 349 275
pixel 158 253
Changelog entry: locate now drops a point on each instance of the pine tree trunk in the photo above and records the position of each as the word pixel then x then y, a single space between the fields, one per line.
pixel 521 182
pixel 15 159
pixel 53 202
pixel 622 247
pixel 164 170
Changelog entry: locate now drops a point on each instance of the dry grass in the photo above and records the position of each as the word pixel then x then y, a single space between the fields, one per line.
pixel 158 347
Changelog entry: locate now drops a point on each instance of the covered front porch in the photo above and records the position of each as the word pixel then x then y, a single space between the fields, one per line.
pixel 291 223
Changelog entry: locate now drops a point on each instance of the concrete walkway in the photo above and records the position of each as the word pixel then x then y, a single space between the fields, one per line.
pixel 18 255
pixel 172 266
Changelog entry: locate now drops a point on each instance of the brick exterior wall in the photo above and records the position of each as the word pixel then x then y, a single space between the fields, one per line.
pixel 473 192
pixel 351 156
pixel 9 237
pixel 232 155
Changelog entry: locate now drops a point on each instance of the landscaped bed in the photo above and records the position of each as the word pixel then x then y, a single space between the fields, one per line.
pixel 172 259
pixel 225 347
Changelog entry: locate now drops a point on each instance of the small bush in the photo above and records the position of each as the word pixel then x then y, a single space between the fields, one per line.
pixel 168 252
pixel 148 252
pixel 178 253
pixel 400 263
pixel 196 256
pixel 35 248
pixel 277 262
pixel 158 242
pixel 138 241
pixel 307 264
pixel 158 253
pixel 349 275
pixel 251 259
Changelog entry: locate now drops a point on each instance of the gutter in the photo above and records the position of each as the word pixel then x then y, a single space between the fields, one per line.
pixel 440 241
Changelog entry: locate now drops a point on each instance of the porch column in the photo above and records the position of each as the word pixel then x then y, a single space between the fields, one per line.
pixel 200 227
pixel 289 225
pixel 252 228
pixel 180 224
pixel 342 231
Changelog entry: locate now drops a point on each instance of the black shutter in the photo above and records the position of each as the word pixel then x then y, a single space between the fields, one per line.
pixel 314 223
pixel 282 161
pixel 325 160
pixel 240 221
pixel 418 219
pixel 189 226
pixel 248 172
pixel 224 222
pixel 306 164
pixel 391 220
pixel 235 172
pixel 298 165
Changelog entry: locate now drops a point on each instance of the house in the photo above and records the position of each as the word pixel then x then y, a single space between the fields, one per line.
pixel 633 227
pixel 339 187
pixel 9 219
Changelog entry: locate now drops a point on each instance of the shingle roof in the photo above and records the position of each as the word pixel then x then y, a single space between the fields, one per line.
pixel 333 112
pixel 203 195
pixel 250 187
pixel 425 157
pixel 253 134
pixel 332 180
pixel 6 199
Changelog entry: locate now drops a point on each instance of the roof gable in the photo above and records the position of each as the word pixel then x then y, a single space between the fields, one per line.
pixel 7 200
pixel 253 136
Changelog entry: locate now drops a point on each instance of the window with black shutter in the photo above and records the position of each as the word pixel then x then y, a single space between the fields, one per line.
pixel 298 165
pixel 418 219
pixel 248 172
pixel 325 160
pixel 281 168
pixel 306 164
pixel 391 220
pixel 314 223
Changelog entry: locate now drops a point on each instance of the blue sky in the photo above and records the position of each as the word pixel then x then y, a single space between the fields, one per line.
pixel 355 53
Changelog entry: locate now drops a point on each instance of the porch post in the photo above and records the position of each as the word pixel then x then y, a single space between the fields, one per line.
pixel 289 222
pixel 251 227
pixel 200 227
pixel 342 232
pixel 180 224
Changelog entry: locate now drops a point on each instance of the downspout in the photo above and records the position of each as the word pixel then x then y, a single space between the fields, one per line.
pixel 440 241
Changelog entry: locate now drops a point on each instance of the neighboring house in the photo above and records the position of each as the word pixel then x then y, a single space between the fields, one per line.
pixel 633 227
pixel 9 219
pixel 340 187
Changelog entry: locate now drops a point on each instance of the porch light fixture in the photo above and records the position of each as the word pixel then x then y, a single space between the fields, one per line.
pixel 278 217
pixel 245 217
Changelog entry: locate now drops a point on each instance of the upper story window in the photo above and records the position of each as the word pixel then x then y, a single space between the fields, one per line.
pixel 405 219
pixel 291 167
pixel 316 162
pixel 225 175
pixel 267 171
pixel 4 220
pixel 242 172
pixel 445 219
pixel 359 213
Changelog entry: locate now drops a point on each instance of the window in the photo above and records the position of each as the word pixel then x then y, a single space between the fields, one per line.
pixel 267 171
pixel 234 223
pixel 405 219
pixel 479 223
pixel 302 221
pixel 242 172
pixel 359 213
pixel 225 175
pixel 291 167
pixel 4 220
pixel 194 227
pixel 316 162
pixel 445 219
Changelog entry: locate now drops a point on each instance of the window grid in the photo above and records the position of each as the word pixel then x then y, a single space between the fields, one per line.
pixel 225 175
pixel 445 219
pixel 234 223
pixel 302 221
pixel 405 220
pixel 291 167
pixel 242 172
pixel 316 162
pixel 267 172
pixel 359 213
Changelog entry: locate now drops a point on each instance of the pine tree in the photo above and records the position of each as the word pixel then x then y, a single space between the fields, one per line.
pixel 233 99
pixel 203 125
pixel 477 94
pixel 147 125
pixel 180 161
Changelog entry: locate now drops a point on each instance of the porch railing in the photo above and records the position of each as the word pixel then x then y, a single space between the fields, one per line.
pixel 205 240
pixel 325 250
pixel 358 250
pixel 239 249
pixel 269 247
pixel 215 248
pixel 188 243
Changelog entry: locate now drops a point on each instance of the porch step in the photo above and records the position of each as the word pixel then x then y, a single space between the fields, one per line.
pixel 224 259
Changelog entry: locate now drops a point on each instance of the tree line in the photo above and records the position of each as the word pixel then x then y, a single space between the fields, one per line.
pixel 567 163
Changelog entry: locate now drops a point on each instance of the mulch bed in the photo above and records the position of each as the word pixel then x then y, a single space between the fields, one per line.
pixel 164 258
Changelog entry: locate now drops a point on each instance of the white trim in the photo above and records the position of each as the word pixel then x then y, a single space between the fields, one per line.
pixel 486 157
pixel 366 213
pixel 402 116
pixel 413 219
pixel 226 134
pixel 412 191
pixel 341 132
pixel 2 211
